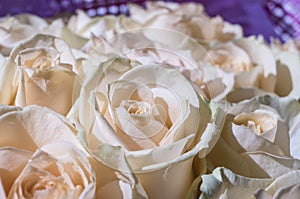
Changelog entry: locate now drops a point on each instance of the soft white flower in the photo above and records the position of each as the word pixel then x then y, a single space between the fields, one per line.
pixel 152 120
pixel 259 137
pixel 57 170
pixel 23 132
pixel 37 72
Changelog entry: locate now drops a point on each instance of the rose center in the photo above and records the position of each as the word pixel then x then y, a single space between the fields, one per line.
pixel 136 108
pixel 38 59
pixel 258 122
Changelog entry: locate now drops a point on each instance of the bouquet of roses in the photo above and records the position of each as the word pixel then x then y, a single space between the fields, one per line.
pixel 166 103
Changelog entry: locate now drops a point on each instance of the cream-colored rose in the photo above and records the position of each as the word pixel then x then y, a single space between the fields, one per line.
pixel 57 170
pixel 23 131
pixel 16 29
pixel 149 122
pixel 259 137
pixel 249 60
pixel 223 183
pixel 188 19
pixel 41 71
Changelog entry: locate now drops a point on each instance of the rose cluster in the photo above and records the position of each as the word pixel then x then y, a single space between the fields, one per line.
pixel 166 103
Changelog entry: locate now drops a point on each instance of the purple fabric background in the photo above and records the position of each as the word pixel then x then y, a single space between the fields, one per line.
pixel 248 13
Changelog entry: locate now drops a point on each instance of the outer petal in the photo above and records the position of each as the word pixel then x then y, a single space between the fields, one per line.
pixel 44 88
pixel 262 57
pixel 8 85
pixel 223 183
pixel 285 186
pixel 12 162
pixel 35 127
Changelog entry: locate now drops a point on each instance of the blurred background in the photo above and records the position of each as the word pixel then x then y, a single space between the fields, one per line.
pixel 276 18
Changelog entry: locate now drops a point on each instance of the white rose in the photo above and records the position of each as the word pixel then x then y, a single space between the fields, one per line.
pixel 37 72
pixel 152 120
pixel 249 61
pixel 57 170
pixel 259 138
pixel 23 132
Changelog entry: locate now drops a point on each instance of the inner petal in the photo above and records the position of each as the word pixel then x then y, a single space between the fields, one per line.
pixel 258 122
pixel 138 126
pixel 38 58
pixel 230 58
pixel 140 112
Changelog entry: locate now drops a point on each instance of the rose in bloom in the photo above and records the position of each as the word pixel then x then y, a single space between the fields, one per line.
pixel 223 183
pixel 41 156
pixel 259 138
pixel 14 30
pixel 249 60
pixel 188 19
pixel 256 68
pixel 57 170
pixel 152 120
pixel 41 71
